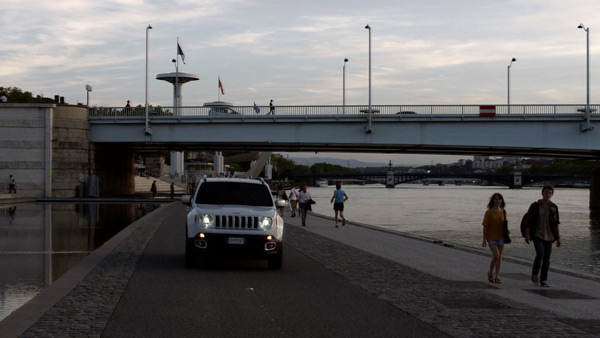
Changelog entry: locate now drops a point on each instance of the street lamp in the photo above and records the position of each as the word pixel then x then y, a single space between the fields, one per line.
pixel 146 105
pixel 368 131
pixel 587 104
pixel 344 87
pixel 508 90
pixel 88 88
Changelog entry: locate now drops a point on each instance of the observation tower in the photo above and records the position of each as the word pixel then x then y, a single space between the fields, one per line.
pixel 177 79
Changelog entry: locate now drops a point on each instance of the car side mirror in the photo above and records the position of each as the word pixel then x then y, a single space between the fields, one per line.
pixel 186 199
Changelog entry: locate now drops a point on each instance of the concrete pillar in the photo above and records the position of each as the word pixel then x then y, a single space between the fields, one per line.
pixel 389 179
pixel 595 190
pixel 219 163
pixel 517 182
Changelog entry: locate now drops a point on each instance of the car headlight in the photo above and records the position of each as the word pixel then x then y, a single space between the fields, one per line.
pixel 206 220
pixel 265 223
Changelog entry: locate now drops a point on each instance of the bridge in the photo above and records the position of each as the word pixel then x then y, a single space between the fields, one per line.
pixel 391 178
pixel 528 130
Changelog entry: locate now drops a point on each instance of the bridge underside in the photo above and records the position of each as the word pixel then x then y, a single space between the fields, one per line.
pixel 508 136
pixel 152 147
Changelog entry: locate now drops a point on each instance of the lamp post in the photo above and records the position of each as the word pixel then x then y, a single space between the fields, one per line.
pixel 587 102
pixel 88 88
pixel 146 100
pixel 508 89
pixel 369 126
pixel 344 87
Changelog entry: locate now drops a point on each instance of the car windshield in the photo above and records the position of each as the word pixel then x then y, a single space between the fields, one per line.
pixel 234 193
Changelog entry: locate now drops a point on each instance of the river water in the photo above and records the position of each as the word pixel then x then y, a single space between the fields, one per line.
pixel 39 242
pixel 453 214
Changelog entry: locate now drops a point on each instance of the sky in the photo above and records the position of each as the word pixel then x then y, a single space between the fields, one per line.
pixel 422 52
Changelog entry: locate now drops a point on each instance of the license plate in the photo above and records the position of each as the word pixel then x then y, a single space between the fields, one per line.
pixel 236 240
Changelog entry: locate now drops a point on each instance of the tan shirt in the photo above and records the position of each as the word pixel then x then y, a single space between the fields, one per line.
pixel 543 230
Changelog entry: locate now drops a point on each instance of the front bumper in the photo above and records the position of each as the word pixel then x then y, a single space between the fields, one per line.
pixel 236 245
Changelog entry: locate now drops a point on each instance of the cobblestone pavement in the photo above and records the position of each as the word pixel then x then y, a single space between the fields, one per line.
pixel 459 309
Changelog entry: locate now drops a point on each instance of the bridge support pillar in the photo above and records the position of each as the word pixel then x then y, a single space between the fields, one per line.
pixel 389 179
pixel 517 182
pixel 595 190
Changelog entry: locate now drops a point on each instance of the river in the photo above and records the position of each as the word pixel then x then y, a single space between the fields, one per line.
pixel 453 214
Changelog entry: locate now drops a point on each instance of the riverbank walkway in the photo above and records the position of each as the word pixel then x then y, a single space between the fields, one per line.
pixel 431 287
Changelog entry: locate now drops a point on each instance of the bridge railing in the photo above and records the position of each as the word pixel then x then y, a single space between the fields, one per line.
pixel 356 110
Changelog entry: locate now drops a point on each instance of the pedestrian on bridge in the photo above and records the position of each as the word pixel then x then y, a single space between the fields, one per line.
pixel 271 108
pixel 339 196
pixel 493 234
pixel 542 229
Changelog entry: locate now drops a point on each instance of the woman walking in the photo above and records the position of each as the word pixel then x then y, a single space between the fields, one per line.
pixel 303 199
pixel 294 199
pixel 282 196
pixel 493 234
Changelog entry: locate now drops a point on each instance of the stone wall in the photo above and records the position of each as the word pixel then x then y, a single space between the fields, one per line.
pixel 25 143
pixel 45 147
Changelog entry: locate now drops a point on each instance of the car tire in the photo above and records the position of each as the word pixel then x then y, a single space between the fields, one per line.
pixel 275 261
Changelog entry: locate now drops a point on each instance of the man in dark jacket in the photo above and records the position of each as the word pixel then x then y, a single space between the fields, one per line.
pixel 542 229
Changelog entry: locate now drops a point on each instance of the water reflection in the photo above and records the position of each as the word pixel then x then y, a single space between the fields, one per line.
pixel 40 242
pixel 595 235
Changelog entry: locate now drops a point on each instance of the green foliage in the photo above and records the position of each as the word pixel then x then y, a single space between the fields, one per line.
pixel 289 169
pixel 566 167
pixel 16 95
pixel 286 168
pixel 324 168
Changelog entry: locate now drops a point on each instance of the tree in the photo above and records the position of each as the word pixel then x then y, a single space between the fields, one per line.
pixel 16 95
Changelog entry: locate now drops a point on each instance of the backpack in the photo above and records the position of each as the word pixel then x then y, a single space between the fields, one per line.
pixel 524 222
pixel 524 226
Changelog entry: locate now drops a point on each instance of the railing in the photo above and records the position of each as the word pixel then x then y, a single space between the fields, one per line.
pixel 356 110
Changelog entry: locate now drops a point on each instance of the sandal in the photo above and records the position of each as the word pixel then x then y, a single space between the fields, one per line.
pixel 497 280
pixel 490 277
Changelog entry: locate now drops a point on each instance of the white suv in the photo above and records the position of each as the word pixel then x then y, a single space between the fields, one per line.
pixel 233 217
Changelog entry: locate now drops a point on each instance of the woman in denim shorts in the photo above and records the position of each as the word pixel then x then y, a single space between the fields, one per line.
pixel 493 234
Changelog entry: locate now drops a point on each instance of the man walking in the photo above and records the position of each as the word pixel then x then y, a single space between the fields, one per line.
pixel 12 186
pixel 542 230
pixel 339 196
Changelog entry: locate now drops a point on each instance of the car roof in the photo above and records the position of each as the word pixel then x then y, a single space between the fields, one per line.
pixel 233 180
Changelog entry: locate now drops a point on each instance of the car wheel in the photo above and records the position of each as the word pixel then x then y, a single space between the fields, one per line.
pixel 275 261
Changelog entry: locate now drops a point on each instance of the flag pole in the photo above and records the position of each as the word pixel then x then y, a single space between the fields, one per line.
pixel 219 88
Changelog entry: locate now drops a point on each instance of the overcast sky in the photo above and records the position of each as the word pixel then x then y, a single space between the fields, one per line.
pixel 423 52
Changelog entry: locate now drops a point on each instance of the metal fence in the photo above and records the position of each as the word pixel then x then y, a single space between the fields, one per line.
pixel 404 110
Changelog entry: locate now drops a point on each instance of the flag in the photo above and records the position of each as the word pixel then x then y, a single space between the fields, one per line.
pixel 180 52
pixel 256 109
pixel 221 87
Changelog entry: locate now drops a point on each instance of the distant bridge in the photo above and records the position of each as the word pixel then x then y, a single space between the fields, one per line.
pixel 512 180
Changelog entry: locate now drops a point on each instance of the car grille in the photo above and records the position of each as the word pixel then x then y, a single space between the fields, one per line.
pixel 229 222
